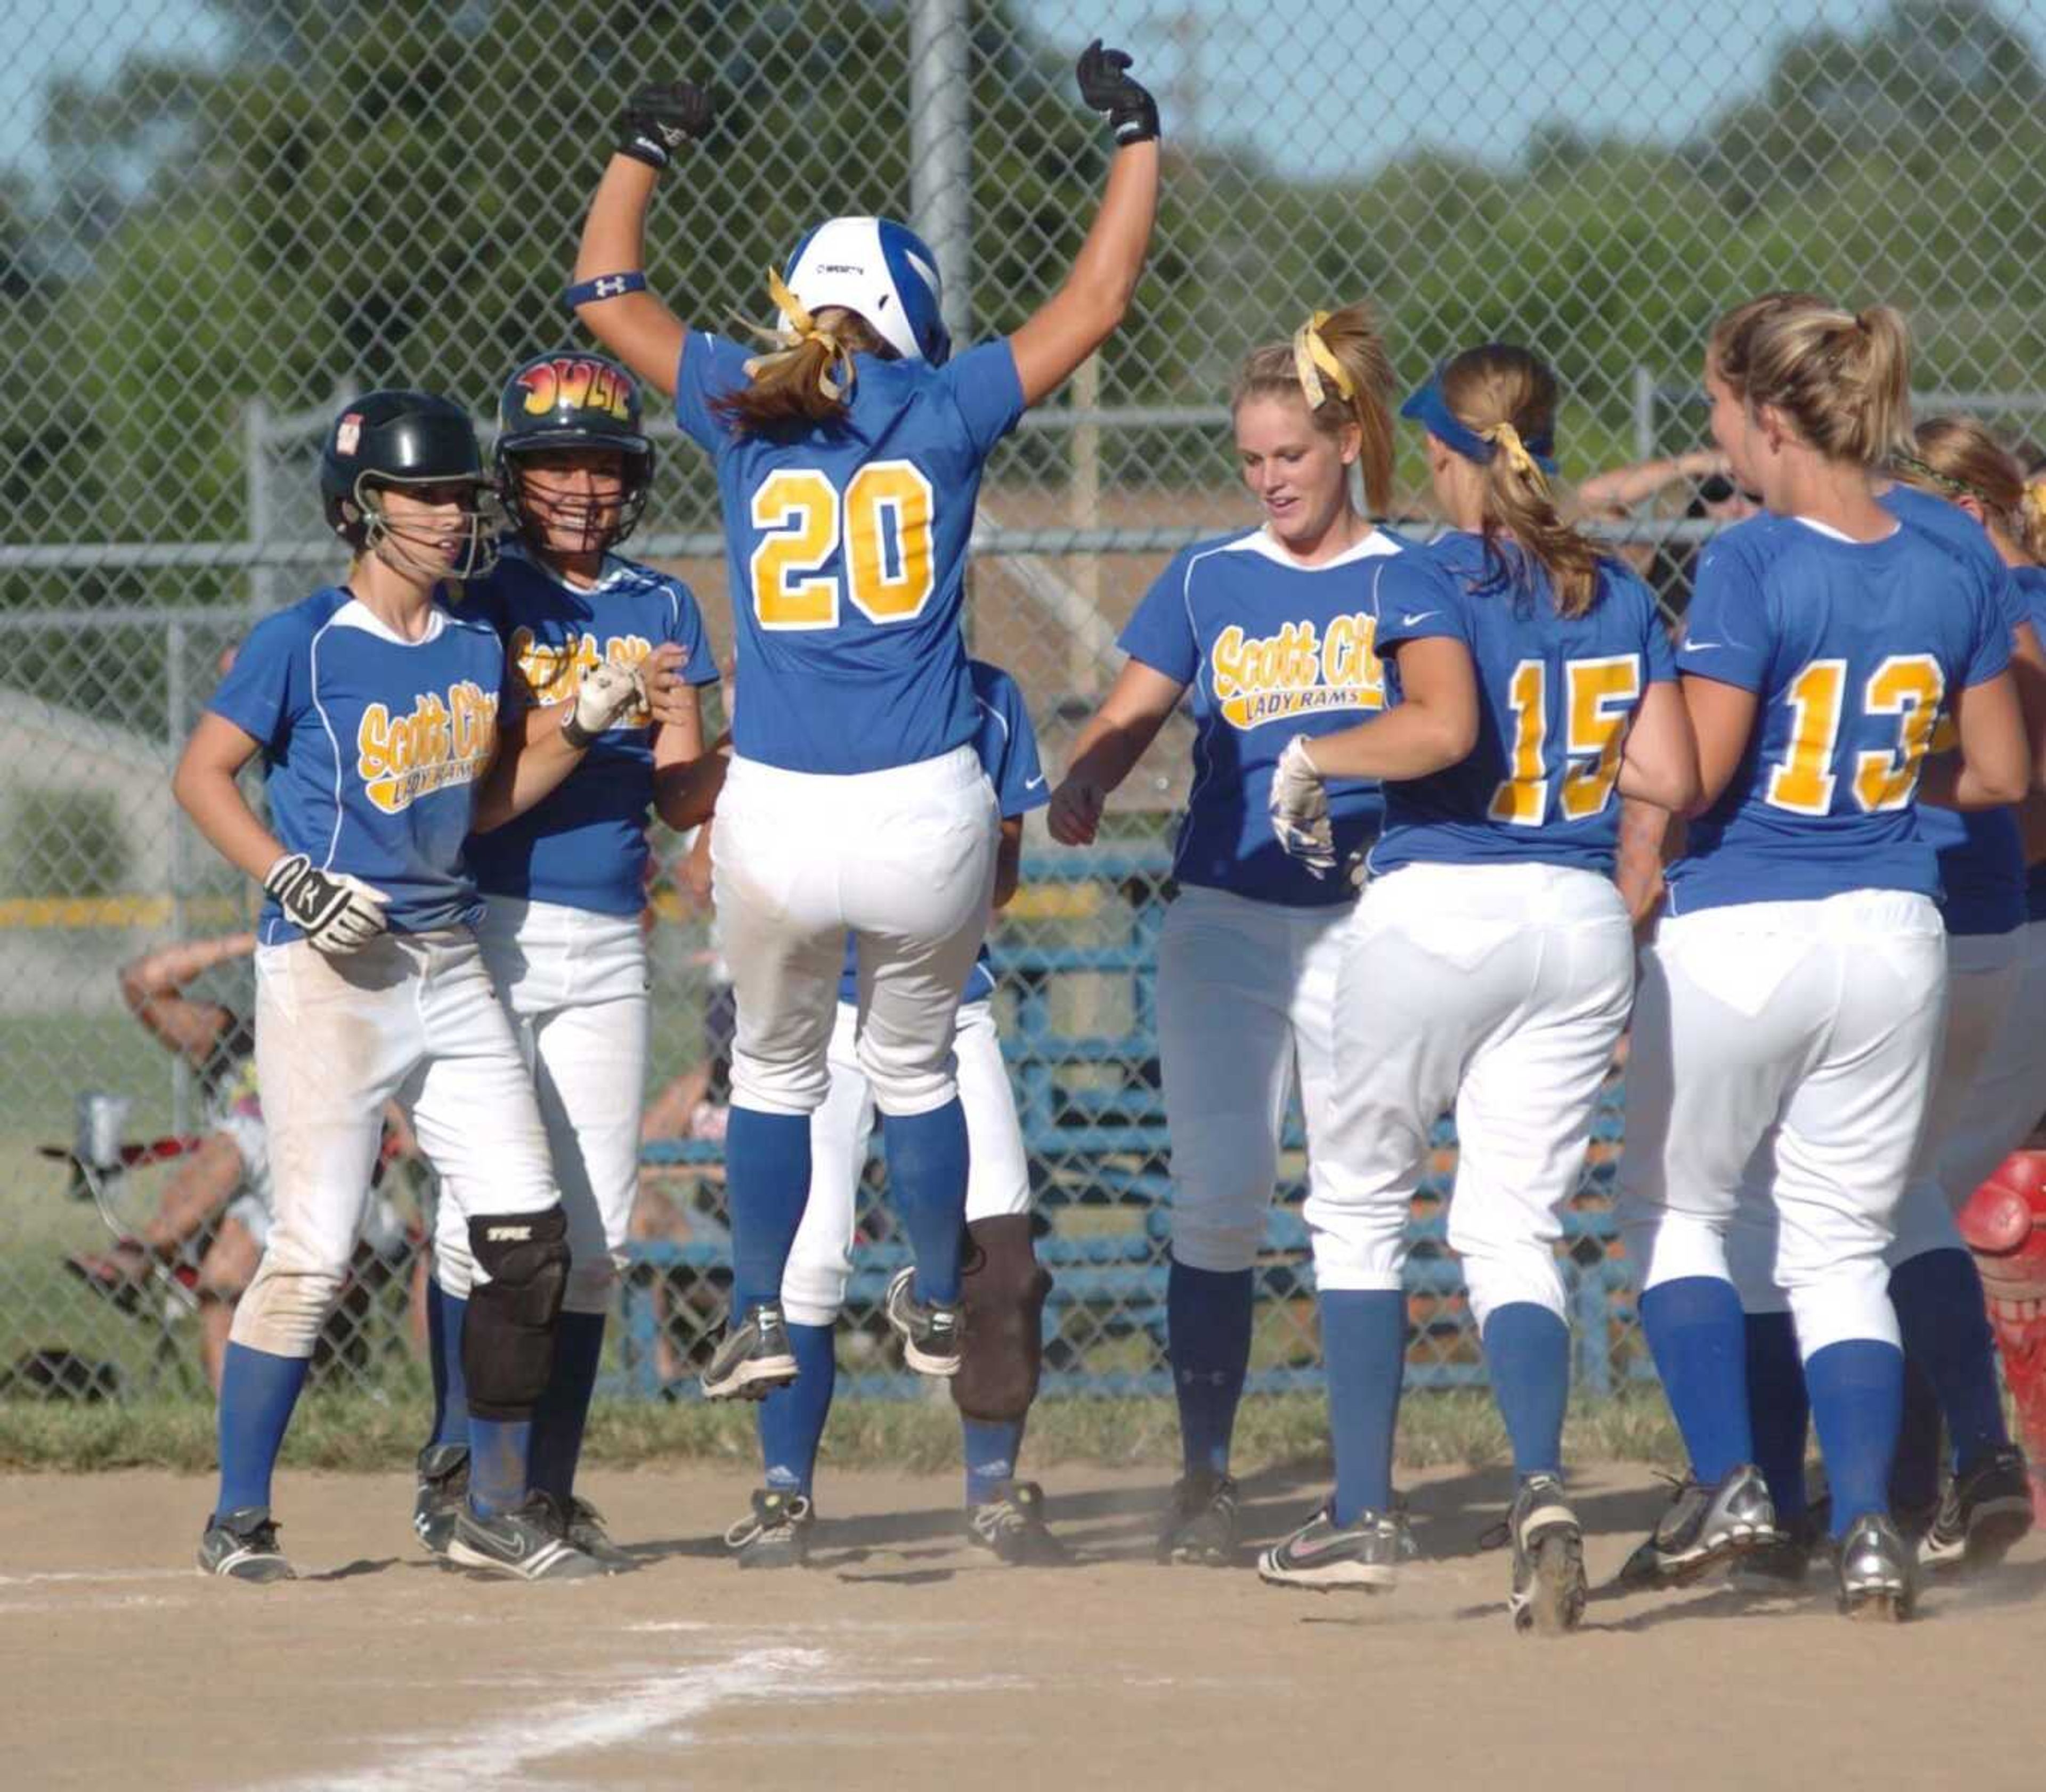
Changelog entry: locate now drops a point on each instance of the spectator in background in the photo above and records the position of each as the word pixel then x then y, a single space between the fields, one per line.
pixel 1668 566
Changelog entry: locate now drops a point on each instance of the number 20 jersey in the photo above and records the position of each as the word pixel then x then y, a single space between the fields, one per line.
pixel 846 553
pixel 1853 650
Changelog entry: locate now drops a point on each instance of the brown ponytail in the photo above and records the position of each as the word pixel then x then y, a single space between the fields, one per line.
pixel 803 384
pixel 1350 338
pixel 1956 457
pixel 1502 393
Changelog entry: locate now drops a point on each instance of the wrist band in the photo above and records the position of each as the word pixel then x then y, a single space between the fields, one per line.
pixel 604 286
pixel 574 732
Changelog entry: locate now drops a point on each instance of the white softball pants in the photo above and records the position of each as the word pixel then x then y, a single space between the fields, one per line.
pixel 998 1178
pixel 904 859
pixel 1499 990
pixel 412 1017
pixel 1808 1030
pixel 1246 1002
pixel 574 984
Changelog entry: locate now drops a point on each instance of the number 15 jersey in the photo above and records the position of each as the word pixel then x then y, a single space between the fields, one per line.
pixel 1854 651
pixel 846 548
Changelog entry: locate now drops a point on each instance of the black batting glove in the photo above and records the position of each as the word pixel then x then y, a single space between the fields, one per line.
pixel 661 118
pixel 1105 86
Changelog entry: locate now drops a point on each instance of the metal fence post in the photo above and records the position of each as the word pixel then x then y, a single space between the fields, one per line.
pixel 941 150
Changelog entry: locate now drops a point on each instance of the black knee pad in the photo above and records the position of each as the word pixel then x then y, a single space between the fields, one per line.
pixel 1003 1287
pixel 507 1340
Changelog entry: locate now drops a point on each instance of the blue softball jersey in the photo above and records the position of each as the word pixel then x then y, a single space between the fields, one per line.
pixel 584 845
pixel 1008 749
pixel 847 549
pixel 371 748
pixel 1269 648
pixel 1851 650
pixel 1555 695
pixel 2030 582
pixel 1982 859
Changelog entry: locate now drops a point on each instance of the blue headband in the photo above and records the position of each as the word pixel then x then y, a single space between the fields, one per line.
pixel 1431 410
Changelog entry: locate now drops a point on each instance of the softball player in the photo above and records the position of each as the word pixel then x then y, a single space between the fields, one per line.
pixel 369 982
pixel 564 884
pixel 1489 966
pixel 848 460
pixel 1004 1287
pixel 1272 629
pixel 1826 642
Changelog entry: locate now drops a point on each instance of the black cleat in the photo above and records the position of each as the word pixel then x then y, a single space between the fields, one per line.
pixel 776 1534
pixel 1876 1575
pixel 584 1530
pixel 1986 1509
pixel 528 1543
pixel 1703 1527
pixel 241 1545
pixel 753 1358
pixel 442 1492
pixel 930 1331
pixel 1548 1587
pixel 1324 1556
pixel 1011 1526
pixel 1200 1523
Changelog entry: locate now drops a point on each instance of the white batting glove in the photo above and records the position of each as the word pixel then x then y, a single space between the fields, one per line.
pixel 607 691
pixel 336 913
pixel 1299 809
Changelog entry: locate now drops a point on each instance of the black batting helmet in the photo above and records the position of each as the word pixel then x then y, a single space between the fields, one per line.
pixel 570 399
pixel 399 437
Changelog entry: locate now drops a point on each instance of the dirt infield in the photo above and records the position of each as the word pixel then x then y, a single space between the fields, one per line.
pixel 901 1659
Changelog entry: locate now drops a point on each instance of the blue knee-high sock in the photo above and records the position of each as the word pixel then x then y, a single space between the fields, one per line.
pixel 446 1315
pixel 1944 1318
pixel 1698 1336
pixel 563 1411
pixel 257 1391
pixel 792 1418
pixel 1364 1350
pixel 1857 1401
pixel 1527 1355
pixel 1914 1476
pixel 1207 1342
pixel 767 1185
pixel 498 1452
pixel 927 1166
pixel 991 1447
pixel 1779 1413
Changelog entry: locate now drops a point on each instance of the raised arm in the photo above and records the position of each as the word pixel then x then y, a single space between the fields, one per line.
pixel 1084 312
pixel 609 293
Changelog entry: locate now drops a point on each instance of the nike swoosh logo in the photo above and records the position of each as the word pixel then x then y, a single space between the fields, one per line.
pixel 1701 646
pixel 1409 619
pixel 1032 784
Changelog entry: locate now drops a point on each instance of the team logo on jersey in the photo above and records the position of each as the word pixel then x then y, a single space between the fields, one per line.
pixel 447 739
pixel 1302 670
pixel 548 672
pixel 574 383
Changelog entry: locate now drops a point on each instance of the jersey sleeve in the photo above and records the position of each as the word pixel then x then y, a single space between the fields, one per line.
pixel 1726 636
pixel 685 629
pixel 1010 749
pixel 987 391
pixel 1416 600
pixel 1160 630
pixel 1657 656
pixel 1989 648
pixel 710 366
pixel 266 686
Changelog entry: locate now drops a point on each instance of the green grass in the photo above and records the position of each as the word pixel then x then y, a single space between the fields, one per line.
pixel 359 1433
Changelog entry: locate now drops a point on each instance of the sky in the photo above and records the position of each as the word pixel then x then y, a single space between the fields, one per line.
pixel 1322 87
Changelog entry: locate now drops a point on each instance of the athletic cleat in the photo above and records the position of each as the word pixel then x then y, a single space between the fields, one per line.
pixel 753 1358
pixel 1548 1587
pixel 1877 1575
pixel 1986 1508
pixel 1200 1523
pixel 584 1531
pixel 1783 1564
pixel 1011 1526
pixel 930 1331
pixel 241 1545
pixel 442 1492
pixel 1703 1527
pixel 527 1543
pixel 1324 1555
pixel 776 1534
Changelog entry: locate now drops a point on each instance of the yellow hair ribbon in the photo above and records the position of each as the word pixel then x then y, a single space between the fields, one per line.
pixel 802 329
pixel 1313 357
pixel 1507 440
pixel 2035 497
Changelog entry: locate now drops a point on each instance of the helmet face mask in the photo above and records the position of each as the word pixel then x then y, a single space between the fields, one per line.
pixel 419 547
pixel 411 442
pixel 565 403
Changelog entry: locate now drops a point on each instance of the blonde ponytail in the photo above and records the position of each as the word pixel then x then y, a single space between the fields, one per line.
pixel 1336 365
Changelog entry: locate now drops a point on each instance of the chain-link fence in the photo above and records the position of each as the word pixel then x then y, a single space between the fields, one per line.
pixel 214 218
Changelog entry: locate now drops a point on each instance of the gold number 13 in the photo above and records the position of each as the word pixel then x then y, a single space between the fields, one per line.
pixel 884 522
pixel 1908 686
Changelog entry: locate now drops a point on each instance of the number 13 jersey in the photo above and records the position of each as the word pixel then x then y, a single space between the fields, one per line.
pixel 1853 650
pixel 847 549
